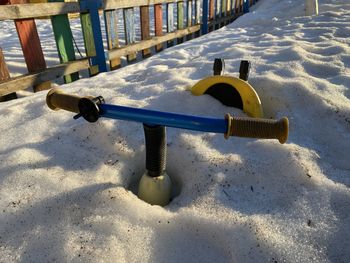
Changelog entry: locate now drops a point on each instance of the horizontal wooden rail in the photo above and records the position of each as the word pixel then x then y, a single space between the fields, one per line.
pixel 116 4
pixel 132 48
pixel 21 11
pixel 25 81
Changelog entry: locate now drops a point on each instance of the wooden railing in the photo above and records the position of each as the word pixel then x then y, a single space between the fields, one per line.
pixel 201 16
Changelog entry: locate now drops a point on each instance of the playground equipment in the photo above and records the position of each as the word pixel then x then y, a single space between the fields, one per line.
pixel 231 91
pixel 155 184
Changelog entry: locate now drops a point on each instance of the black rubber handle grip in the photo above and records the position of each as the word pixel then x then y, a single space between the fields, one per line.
pixel 258 128
pixel 56 99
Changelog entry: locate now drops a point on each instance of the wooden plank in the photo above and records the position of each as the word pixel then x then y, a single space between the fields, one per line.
pixel 145 28
pixel 88 41
pixel 217 13
pixel 93 6
pixel 25 81
pixel 51 9
pixel 170 22
pixel 237 6
pixel 228 7
pixel 197 15
pixel 223 7
pixel 180 18
pixel 5 75
pixel 31 47
pixel 129 30
pixel 211 12
pixel 223 10
pixel 152 42
pixel 233 9
pixel 111 24
pixel 246 6
pixel 189 17
pixel 205 16
pixel 4 72
pixel 211 9
pixel 64 41
pixel 198 12
pixel 21 11
pixel 117 4
pixel 158 24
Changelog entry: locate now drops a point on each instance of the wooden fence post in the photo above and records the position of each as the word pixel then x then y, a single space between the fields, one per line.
pixel 88 41
pixel 228 11
pixel 180 18
pixel 158 24
pixel 217 14
pixel 145 29
pixel 93 6
pixel 189 17
pixel 197 16
pixel 111 24
pixel 223 12
pixel 211 13
pixel 4 75
pixel 205 9
pixel 30 43
pixel 129 30
pixel 170 21
pixel 64 41
pixel 245 6
pixel 233 10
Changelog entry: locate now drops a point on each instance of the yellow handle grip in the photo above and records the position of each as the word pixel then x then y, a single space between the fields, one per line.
pixel 56 99
pixel 258 128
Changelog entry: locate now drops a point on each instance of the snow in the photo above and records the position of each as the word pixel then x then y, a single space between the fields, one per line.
pixel 65 183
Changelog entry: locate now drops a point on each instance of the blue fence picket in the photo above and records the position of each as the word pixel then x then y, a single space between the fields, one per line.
pixel 205 10
pixel 170 21
pixel 246 6
pixel 93 6
pixel 189 17
pixel 129 28
pixel 111 24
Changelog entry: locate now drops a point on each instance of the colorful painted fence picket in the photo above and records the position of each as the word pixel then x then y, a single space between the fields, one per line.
pixel 184 20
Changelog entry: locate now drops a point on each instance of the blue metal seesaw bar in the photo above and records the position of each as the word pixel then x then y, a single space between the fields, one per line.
pixel 163 118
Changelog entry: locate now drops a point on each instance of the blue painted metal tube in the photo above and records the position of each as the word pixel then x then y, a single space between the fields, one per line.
pixel 163 118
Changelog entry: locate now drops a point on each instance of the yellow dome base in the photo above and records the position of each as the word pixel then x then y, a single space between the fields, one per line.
pixel 250 99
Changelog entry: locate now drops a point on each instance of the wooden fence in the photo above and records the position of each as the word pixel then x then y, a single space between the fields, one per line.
pixel 193 18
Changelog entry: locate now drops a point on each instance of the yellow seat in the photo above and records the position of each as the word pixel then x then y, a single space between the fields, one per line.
pixel 248 100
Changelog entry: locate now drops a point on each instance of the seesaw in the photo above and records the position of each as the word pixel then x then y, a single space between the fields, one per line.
pixel 155 185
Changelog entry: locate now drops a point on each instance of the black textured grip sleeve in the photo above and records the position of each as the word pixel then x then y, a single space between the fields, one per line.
pixel 155 136
pixel 258 128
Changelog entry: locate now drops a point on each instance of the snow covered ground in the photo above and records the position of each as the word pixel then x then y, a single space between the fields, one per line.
pixel 64 183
